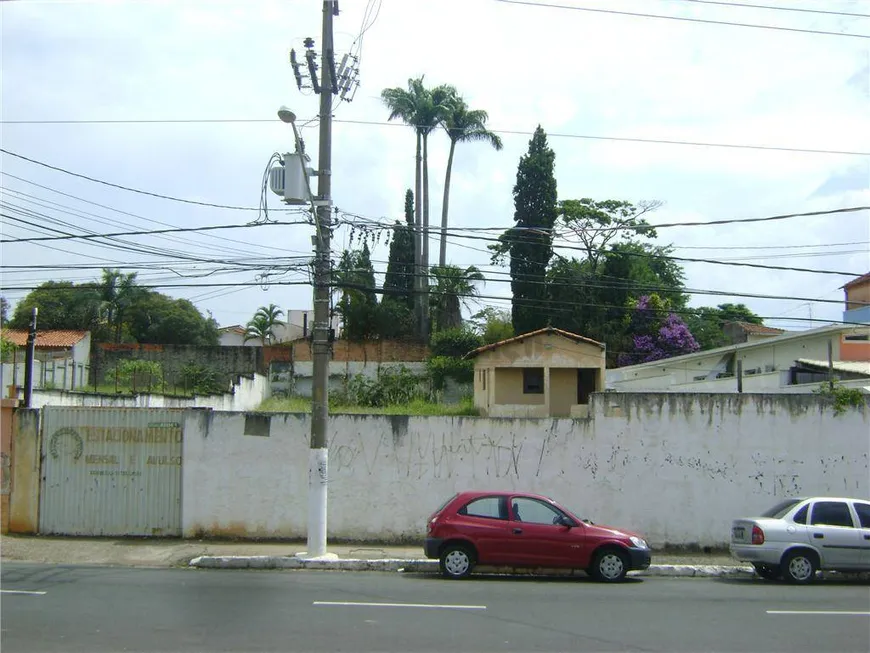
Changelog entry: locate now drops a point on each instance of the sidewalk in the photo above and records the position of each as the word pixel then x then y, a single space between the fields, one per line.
pixel 217 554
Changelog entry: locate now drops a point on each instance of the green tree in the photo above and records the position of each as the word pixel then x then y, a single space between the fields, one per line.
pixel 399 278
pixel 157 318
pixel 358 304
pixel 453 288
pixel 597 224
pixel 4 310
pixel 493 325
pixel 118 292
pixel 62 305
pixel 463 125
pixel 707 322
pixel 530 242
pixel 423 109
pixel 262 326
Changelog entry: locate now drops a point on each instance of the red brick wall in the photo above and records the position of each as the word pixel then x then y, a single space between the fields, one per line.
pixel 384 351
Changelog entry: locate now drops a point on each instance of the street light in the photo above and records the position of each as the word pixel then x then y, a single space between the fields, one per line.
pixel 286 115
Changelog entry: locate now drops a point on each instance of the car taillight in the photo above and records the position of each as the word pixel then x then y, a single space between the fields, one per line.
pixel 431 525
pixel 757 535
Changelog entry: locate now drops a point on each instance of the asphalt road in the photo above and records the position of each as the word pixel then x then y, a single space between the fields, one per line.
pixel 95 609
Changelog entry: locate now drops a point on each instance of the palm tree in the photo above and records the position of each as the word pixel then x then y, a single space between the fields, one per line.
pixel 462 125
pixel 453 288
pixel 262 325
pixel 423 109
pixel 118 291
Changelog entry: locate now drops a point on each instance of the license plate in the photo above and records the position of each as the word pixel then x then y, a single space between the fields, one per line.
pixel 738 532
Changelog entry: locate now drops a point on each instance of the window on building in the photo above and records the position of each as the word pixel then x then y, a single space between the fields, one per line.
pixel 533 381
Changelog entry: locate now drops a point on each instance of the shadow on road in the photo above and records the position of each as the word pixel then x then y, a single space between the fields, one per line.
pixel 521 578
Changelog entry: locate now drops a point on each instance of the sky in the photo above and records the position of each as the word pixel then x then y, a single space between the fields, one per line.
pixel 180 99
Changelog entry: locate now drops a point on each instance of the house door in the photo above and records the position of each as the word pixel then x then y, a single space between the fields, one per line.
pixel 585 384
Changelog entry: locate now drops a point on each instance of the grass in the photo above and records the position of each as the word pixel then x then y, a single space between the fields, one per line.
pixel 417 407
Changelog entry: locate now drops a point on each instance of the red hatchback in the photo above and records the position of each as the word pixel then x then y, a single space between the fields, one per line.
pixel 527 530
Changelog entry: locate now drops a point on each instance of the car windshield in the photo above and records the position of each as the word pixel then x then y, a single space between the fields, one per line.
pixel 780 509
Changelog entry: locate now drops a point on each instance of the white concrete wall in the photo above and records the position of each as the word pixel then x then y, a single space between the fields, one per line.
pixel 248 393
pixel 340 372
pixel 772 382
pixel 678 468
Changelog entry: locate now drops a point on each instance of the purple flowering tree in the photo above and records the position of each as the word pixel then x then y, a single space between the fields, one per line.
pixel 658 333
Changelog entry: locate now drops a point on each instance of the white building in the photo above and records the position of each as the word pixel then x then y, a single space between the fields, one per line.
pixel 297 325
pixel 770 364
pixel 61 360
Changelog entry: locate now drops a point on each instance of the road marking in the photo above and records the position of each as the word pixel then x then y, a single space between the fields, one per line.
pixel 841 612
pixel 436 606
pixel 31 593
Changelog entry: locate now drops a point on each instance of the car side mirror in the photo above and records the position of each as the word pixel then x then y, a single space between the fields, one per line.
pixel 565 521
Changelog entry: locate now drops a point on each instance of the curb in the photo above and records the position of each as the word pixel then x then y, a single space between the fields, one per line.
pixel 431 566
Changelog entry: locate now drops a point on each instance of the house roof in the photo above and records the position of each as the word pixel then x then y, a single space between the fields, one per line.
pixel 46 339
pixel 531 334
pixel 854 367
pixel 758 329
pixel 841 329
pixel 856 281
pixel 236 328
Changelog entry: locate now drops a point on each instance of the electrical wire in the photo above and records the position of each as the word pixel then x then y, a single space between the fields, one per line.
pixel 508 132
pixel 128 188
pixel 547 5
pixel 773 8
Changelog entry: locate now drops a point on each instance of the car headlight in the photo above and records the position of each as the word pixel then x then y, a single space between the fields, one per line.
pixel 639 543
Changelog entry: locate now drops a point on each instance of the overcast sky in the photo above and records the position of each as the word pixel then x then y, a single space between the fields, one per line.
pixel 574 72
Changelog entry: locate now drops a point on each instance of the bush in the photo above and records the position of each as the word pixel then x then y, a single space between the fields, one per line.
pixel 201 380
pixel 393 386
pixel 7 348
pixel 842 398
pixel 454 343
pixel 441 368
pixel 139 374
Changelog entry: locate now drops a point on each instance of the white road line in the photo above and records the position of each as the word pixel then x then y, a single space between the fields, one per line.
pixel 22 592
pixel 435 606
pixel 841 612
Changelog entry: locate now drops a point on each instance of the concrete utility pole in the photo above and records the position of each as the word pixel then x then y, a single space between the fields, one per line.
pixel 28 360
pixel 318 461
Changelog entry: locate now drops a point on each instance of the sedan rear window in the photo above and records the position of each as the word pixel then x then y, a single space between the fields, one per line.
pixel 491 507
pixel 780 509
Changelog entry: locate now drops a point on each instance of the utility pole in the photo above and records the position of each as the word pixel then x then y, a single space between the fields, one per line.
pixel 28 360
pixel 341 81
pixel 318 460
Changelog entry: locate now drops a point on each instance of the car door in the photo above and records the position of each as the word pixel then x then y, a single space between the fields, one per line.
pixel 484 521
pixel 537 537
pixel 862 511
pixel 832 530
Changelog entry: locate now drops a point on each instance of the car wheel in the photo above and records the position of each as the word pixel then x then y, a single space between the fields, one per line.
pixel 767 572
pixel 457 561
pixel 609 566
pixel 799 567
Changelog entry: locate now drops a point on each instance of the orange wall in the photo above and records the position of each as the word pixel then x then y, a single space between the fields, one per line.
pixel 860 292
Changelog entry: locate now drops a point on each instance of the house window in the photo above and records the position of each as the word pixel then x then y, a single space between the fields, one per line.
pixel 483 378
pixel 533 381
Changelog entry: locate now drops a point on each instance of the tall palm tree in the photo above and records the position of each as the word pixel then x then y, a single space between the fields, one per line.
pixel 118 291
pixel 453 288
pixel 423 109
pixel 262 325
pixel 463 125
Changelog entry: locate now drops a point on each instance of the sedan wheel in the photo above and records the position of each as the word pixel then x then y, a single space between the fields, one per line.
pixel 609 566
pixel 457 561
pixel 799 567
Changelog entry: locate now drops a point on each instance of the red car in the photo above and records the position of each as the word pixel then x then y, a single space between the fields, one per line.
pixel 527 530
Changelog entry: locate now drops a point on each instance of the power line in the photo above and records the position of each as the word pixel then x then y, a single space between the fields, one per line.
pixel 127 188
pixel 508 132
pixel 126 213
pixel 546 5
pixel 146 233
pixel 772 8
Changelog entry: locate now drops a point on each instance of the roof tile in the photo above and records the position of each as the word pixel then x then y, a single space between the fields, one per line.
pixel 48 339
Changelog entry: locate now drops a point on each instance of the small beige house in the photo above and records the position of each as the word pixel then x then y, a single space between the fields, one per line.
pixel 544 373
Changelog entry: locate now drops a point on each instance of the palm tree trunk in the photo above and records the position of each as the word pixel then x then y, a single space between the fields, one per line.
pixel 425 271
pixel 442 254
pixel 418 240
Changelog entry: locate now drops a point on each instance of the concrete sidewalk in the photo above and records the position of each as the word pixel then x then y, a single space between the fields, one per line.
pixel 216 554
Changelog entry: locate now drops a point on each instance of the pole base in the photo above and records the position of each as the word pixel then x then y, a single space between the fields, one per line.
pixel 303 555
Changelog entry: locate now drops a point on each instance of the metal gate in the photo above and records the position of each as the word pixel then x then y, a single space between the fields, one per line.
pixel 111 471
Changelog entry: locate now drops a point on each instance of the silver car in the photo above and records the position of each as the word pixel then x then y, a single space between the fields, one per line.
pixel 798 537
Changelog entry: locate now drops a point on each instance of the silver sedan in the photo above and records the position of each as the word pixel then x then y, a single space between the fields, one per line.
pixel 798 537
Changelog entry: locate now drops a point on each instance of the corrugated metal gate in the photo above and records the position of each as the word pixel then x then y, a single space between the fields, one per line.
pixel 111 471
